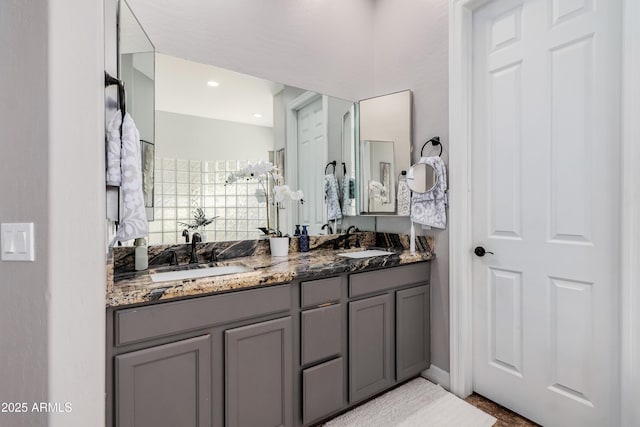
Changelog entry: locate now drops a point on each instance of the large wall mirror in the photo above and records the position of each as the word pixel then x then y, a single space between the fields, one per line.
pixel 208 122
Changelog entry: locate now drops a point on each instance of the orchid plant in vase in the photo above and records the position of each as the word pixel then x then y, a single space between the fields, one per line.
pixel 274 192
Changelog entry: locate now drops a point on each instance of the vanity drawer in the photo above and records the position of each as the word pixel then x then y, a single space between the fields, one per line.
pixel 321 333
pixel 155 321
pixel 388 278
pixel 322 390
pixel 316 292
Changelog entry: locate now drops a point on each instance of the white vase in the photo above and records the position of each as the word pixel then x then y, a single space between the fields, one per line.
pixel 279 246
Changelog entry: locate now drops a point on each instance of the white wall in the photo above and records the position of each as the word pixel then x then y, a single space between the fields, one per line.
pixel 411 52
pixel 180 136
pixel 76 275
pixel 52 133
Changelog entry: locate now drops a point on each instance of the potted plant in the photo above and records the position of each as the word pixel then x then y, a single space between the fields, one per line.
pixel 275 193
pixel 200 221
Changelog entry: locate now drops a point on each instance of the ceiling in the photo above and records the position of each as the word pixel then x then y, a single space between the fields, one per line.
pixel 181 87
pixel 132 36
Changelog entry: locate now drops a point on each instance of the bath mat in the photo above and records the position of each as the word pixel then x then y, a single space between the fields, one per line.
pixel 418 403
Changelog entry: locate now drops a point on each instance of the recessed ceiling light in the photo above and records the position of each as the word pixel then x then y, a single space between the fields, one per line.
pixel 257 115
pixel 212 83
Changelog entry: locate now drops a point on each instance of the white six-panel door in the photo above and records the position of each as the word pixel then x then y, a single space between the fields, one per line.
pixel 545 181
pixel 312 159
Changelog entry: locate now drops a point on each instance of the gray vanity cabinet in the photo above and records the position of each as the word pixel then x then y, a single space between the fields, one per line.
pixel 284 355
pixel 389 330
pixel 165 386
pixel 412 332
pixel 259 369
pixel 370 346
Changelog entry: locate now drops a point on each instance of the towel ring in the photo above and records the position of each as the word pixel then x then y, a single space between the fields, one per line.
pixel 109 80
pixel 344 168
pixel 434 141
pixel 332 163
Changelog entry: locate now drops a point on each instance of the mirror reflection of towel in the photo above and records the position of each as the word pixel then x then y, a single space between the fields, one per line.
pixel 348 194
pixel 331 197
pixel 404 198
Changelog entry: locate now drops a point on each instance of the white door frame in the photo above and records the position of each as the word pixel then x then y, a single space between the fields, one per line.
pixel 291 143
pixel 460 271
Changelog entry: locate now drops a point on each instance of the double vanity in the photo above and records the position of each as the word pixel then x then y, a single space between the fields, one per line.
pixel 270 342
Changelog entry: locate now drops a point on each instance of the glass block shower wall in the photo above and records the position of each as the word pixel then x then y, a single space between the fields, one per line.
pixel 181 186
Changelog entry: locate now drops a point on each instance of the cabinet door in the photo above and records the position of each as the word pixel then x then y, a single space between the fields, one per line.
pixel 370 346
pixel 321 333
pixel 322 390
pixel 168 385
pixel 412 332
pixel 259 369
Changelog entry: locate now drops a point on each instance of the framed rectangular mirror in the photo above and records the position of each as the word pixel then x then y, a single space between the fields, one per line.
pixel 384 151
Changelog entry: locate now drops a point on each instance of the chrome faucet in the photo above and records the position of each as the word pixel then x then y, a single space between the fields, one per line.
pixel 185 234
pixel 195 238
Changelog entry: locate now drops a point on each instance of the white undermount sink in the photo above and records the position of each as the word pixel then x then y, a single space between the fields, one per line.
pixel 198 272
pixel 365 254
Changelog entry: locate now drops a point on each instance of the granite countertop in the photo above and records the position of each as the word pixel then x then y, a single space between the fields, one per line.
pixel 137 287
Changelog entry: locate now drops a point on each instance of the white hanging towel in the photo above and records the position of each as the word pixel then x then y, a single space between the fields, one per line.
pixel 331 197
pixel 429 208
pixel 114 150
pixel 133 220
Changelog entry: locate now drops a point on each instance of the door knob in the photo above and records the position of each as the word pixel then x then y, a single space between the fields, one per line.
pixel 480 251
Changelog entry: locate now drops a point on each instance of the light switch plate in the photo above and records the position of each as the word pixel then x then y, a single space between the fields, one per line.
pixel 16 241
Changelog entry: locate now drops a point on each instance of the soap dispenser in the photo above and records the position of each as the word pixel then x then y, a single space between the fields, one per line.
pixel 141 255
pixel 297 231
pixel 304 239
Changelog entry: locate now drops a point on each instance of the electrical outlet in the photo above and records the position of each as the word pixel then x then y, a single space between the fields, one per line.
pixel 17 242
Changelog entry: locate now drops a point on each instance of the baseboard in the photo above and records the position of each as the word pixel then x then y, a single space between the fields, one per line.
pixel 437 376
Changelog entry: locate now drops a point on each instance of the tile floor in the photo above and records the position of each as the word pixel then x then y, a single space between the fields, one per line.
pixel 506 418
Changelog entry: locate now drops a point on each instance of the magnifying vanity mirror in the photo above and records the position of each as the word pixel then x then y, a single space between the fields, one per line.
pixel 421 177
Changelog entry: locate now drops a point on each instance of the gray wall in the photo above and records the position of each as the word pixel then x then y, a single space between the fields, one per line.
pixel 411 52
pixel 181 136
pixel 24 151
pixel 52 133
